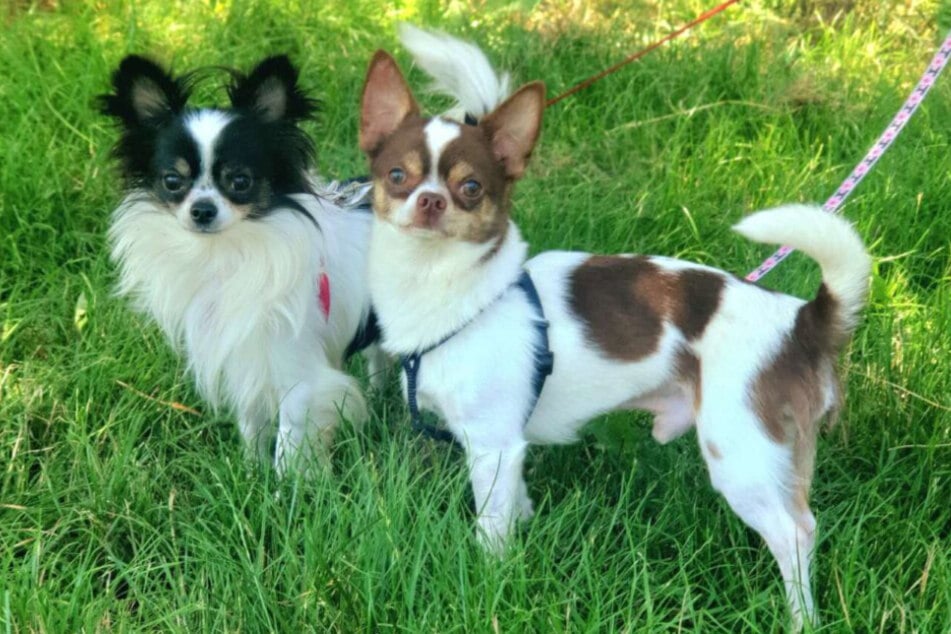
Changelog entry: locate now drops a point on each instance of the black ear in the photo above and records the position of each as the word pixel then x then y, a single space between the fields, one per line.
pixel 271 91
pixel 143 93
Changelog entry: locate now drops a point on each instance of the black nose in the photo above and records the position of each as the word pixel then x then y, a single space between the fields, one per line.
pixel 203 212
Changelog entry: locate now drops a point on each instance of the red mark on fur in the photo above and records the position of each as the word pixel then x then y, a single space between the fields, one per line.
pixel 323 294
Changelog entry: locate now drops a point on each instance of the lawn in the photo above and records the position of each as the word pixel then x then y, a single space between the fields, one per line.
pixel 125 504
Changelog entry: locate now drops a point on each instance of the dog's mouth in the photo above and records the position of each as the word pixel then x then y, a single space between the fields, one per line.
pixel 204 230
pixel 417 231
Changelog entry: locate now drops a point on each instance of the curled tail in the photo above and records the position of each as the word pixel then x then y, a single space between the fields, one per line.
pixel 459 69
pixel 833 243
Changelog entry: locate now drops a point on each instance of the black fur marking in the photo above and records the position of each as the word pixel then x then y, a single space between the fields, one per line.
pixel 261 144
pixel 290 203
pixel 144 94
pixel 367 335
pixel 271 92
pixel 277 155
pixel 174 149
pixel 147 101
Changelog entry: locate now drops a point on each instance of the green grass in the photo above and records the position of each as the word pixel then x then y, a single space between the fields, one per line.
pixel 119 512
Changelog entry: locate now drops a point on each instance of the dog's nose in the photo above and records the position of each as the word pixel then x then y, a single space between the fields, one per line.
pixel 203 212
pixel 430 206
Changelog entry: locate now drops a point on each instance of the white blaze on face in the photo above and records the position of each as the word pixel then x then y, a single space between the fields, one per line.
pixel 205 127
pixel 439 133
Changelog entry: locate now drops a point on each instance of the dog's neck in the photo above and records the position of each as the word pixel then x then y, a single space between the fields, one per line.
pixel 425 289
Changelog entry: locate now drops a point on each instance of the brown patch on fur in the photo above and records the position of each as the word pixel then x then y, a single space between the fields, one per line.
pixel 688 369
pixel 413 164
pixel 495 247
pixel 486 216
pixel 699 297
pixel 479 224
pixel 182 167
pixel 714 451
pixel 789 395
pixel 243 211
pixel 382 203
pixel 404 149
pixel 607 293
pixel 407 140
pixel 459 172
pixel 625 300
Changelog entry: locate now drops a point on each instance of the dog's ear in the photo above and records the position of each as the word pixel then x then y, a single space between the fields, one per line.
pixel 143 93
pixel 271 92
pixel 513 127
pixel 386 101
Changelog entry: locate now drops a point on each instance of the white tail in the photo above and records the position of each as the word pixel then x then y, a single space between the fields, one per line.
pixel 459 69
pixel 826 238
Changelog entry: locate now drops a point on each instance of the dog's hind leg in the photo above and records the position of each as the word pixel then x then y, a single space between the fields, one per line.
pixel 757 477
pixel 673 410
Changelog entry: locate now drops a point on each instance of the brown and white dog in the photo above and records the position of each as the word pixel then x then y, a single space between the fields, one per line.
pixel 752 370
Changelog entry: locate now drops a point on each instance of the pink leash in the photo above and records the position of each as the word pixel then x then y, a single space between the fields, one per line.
pixel 834 204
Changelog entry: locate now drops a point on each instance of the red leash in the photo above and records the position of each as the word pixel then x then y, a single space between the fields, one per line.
pixel 703 17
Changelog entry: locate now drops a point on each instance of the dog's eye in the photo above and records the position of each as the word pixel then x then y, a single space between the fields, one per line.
pixel 471 188
pixel 173 182
pixel 397 176
pixel 241 182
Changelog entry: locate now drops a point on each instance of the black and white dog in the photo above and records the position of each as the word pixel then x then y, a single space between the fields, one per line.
pixel 226 241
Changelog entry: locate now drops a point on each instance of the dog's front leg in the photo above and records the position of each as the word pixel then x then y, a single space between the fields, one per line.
pixel 499 491
pixel 309 413
pixel 253 423
pixel 302 438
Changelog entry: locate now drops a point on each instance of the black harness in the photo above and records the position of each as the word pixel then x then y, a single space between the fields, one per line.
pixel 544 363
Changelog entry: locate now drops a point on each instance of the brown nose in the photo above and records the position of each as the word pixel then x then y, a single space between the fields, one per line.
pixel 429 207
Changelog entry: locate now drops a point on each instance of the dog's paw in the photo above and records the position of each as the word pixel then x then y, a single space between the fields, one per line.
pixel 492 534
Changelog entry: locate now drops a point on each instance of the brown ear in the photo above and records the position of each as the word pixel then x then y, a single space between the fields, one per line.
pixel 514 126
pixel 386 101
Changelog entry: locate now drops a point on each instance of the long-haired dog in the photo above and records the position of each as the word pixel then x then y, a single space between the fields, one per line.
pixel 752 370
pixel 222 241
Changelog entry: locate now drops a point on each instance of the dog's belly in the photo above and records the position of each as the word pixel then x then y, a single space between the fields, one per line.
pixel 568 405
pixel 586 382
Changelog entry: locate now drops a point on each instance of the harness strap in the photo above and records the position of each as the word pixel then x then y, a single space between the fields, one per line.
pixel 544 359
pixel 544 364
pixel 410 365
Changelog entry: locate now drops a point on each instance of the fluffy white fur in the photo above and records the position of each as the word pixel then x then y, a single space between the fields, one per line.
pixel 459 69
pixel 242 306
pixel 822 237
pixel 480 380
